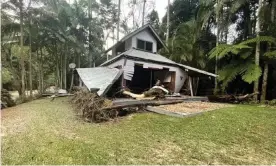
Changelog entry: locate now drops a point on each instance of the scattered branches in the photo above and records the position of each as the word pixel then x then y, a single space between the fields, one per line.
pixel 90 106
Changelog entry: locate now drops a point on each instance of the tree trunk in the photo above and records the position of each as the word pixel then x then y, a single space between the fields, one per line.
pixel 22 61
pixel 61 69
pixel 227 15
pixel 57 66
pixel 72 77
pixel 264 84
pixel 30 63
pixel 79 65
pixel 265 74
pixel 118 24
pixel 143 12
pixel 40 73
pixel 89 34
pixel 1 82
pixel 257 52
pixel 248 23
pixel 168 23
pixel 217 43
pixel 254 22
pixel 65 67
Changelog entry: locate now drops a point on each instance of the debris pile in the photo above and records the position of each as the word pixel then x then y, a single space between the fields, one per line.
pixel 90 106
pixel 231 98
pixel 94 108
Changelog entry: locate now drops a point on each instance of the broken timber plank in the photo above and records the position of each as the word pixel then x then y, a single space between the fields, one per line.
pixel 139 103
pixel 59 95
pixel 164 112
pixel 170 113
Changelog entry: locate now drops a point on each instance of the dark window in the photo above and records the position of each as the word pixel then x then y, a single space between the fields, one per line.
pixel 141 44
pixel 149 46
pixel 144 45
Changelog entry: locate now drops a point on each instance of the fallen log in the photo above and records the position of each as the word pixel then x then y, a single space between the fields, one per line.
pixel 230 98
pixel 142 104
pixel 60 95
pixel 245 97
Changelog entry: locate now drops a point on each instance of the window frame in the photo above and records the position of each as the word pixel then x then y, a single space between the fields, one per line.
pixel 145 45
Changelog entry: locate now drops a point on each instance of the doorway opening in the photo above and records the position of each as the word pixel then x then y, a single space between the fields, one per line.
pixel 145 78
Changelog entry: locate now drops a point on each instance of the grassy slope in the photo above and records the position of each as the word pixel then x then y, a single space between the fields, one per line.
pixel 44 132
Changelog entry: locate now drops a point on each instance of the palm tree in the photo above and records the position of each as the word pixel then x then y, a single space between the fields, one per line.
pixel 188 45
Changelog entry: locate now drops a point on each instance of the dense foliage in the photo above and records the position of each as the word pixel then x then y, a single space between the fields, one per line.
pixel 41 38
pixel 233 38
pixel 236 37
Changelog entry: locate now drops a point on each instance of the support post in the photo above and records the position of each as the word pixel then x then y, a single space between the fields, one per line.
pixel 191 87
pixel 150 78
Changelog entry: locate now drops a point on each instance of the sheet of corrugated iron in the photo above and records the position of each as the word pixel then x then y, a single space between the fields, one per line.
pixel 101 78
pixel 129 70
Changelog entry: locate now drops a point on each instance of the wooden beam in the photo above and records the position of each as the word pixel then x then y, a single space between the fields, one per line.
pixel 142 103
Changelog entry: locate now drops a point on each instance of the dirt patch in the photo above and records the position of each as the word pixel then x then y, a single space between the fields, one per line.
pixel 165 152
pixel 193 107
pixel 14 120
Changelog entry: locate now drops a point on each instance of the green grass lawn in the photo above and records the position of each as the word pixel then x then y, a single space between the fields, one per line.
pixel 45 132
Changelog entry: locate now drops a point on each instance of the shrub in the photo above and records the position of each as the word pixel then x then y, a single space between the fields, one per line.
pixel 6 99
pixel 26 99
pixel 271 102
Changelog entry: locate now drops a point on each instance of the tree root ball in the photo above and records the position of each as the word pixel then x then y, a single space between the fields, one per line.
pixel 89 105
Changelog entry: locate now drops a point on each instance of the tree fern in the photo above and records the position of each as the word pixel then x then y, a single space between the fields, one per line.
pixel 253 72
pixel 268 39
pixel 229 73
pixel 223 50
pixel 270 54
pixel 244 66
pixel 248 70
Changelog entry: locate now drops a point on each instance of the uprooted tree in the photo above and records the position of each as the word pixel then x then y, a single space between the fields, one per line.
pixel 90 105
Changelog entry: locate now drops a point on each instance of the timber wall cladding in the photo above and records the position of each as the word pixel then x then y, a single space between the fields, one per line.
pixel 146 36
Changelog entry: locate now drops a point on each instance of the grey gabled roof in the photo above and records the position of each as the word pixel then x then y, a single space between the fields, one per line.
pixel 139 54
pixel 196 70
pixel 155 58
pixel 136 32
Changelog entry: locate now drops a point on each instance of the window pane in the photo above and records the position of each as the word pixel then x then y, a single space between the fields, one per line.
pixel 141 44
pixel 149 46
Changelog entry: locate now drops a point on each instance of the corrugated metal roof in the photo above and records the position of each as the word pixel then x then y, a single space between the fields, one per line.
pixel 197 70
pixel 101 78
pixel 148 56
pixel 142 55
pixel 155 58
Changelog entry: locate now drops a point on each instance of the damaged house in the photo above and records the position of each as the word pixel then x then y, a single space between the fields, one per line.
pixel 135 64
